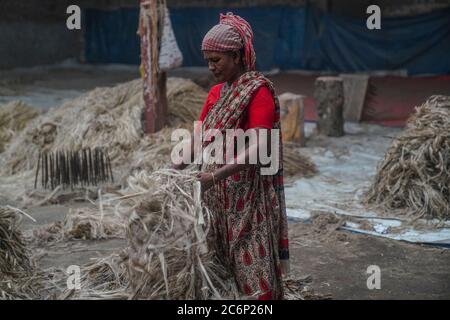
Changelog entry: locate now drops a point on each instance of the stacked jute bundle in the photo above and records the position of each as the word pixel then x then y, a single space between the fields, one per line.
pixel 102 117
pixel 414 175
pixel 170 238
pixel 17 279
pixel 14 117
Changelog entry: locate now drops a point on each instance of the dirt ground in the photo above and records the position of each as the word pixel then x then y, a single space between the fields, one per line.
pixel 336 260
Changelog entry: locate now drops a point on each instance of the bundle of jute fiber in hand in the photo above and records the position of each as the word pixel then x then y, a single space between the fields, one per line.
pixel 171 240
pixel 415 173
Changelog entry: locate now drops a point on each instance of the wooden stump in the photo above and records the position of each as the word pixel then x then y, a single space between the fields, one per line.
pixel 329 94
pixel 355 92
pixel 292 118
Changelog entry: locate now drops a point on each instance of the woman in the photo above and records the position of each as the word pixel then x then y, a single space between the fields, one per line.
pixel 249 207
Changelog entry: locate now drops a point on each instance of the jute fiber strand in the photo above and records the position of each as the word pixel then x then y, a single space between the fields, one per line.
pixel 414 175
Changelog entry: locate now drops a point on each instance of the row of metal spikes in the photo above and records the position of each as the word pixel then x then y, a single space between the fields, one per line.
pixel 83 167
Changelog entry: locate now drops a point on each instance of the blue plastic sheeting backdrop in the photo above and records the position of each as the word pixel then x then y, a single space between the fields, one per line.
pixel 288 38
pixel 110 36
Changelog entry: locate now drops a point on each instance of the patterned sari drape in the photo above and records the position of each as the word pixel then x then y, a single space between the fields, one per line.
pixel 249 208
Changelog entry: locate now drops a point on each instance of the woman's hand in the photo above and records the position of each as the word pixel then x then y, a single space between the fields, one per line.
pixel 206 180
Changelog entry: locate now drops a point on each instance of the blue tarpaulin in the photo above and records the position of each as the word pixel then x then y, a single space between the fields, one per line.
pixel 289 38
pixel 110 36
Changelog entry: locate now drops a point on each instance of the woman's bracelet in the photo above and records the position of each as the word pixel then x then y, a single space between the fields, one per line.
pixel 214 178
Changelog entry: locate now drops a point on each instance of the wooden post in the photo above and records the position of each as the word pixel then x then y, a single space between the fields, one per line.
pixel 292 118
pixel 329 94
pixel 154 81
pixel 162 109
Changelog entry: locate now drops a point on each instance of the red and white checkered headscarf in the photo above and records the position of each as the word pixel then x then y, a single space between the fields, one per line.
pixel 231 34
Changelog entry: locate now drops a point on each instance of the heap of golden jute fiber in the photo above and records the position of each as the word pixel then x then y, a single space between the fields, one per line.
pixel 171 252
pixel 13 252
pixel 415 173
pixel 108 117
pixel 102 117
pixel 14 117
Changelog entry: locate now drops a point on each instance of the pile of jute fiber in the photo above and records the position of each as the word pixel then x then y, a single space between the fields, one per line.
pixel 414 175
pixel 17 276
pixel 14 117
pixel 105 117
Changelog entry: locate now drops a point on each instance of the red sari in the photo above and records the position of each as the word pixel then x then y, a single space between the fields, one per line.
pixel 249 208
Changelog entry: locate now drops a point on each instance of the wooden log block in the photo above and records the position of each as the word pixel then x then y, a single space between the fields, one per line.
pixel 355 91
pixel 329 94
pixel 292 118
